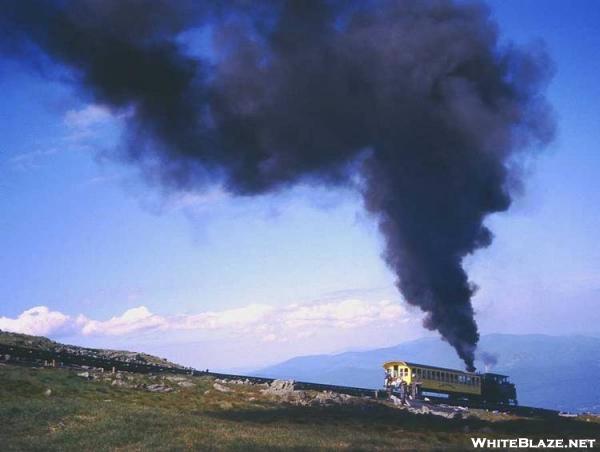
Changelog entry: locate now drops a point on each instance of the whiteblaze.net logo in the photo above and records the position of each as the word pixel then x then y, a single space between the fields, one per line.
pixel 528 443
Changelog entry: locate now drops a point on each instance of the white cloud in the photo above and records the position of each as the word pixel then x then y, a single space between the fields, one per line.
pixel 86 124
pixel 87 117
pixel 343 314
pixel 81 126
pixel 266 322
pixel 231 318
pixel 31 160
pixel 37 321
pixel 132 321
pixel 196 200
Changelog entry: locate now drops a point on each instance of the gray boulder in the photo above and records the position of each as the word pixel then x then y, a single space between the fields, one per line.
pixel 221 388
pixel 159 388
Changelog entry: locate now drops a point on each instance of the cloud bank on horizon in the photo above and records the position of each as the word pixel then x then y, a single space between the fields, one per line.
pixel 416 99
pixel 264 322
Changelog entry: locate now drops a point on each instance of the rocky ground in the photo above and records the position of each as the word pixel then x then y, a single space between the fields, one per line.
pixel 45 344
pixel 88 409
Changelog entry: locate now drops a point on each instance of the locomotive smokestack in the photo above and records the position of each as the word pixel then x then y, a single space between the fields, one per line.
pixel 421 93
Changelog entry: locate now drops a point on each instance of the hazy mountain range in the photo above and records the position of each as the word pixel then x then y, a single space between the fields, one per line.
pixel 560 372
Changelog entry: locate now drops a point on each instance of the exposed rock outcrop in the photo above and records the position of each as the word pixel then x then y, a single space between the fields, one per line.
pixel 159 388
pixel 219 387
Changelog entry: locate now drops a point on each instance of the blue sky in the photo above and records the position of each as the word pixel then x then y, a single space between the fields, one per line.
pixel 86 238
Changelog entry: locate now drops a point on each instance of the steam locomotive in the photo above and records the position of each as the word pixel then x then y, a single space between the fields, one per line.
pixel 419 381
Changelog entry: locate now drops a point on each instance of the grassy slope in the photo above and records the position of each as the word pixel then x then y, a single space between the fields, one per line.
pixel 94 415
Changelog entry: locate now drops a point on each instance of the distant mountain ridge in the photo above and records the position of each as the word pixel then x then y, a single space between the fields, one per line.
pixel 559 372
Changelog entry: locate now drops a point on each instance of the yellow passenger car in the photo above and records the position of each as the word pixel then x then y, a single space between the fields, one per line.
pixel 417 379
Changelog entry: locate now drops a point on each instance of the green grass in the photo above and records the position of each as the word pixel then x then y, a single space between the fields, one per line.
pixel 94 415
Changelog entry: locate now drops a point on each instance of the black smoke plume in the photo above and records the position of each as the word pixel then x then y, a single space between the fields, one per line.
pixel 417 97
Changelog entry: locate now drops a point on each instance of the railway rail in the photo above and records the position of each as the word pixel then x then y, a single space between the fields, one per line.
pixel 31 355
pixel 28 356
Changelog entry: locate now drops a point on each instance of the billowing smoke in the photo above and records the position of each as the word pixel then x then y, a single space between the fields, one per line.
pixel 489 359
pixel 417 98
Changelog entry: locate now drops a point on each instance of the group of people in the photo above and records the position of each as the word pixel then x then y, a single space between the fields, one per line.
pixel 397 386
